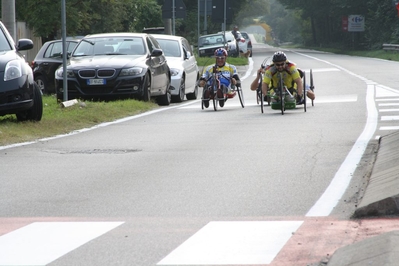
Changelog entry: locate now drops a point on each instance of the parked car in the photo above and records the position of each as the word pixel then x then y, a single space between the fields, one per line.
pixel 207 44
pixel 154 30
pixel 248 42
pixel 233 49
pixel 183 66
pixel 19 93
pixel 47 60
pixel 116 66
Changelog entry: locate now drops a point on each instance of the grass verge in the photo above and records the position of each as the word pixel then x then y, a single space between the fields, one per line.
pixel 57 120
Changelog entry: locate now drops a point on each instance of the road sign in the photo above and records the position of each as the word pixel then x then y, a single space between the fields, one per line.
pixel 218 10
pixel 355 23
pixel 167 9
pixel 345 23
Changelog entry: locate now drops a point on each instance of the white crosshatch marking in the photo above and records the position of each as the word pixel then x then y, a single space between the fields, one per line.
pixel 234 243
pixel 43 242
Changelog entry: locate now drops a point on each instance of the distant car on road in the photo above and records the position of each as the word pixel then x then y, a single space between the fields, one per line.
pixel 183 66
pixel 248 41
pixel 19 93
pixel 207 44
pixel 111 66
pixel 47 60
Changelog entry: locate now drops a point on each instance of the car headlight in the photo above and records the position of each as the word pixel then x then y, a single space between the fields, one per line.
pixel 174 71
pixel 59 74
pixel 13 70
pixel 133 71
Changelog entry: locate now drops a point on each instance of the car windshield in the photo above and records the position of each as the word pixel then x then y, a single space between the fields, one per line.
pixel 170 47
pixel 211 40
pixel 110 46
pixel 4 44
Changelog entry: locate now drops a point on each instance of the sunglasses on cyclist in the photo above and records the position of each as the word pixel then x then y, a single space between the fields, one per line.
pixel 281 64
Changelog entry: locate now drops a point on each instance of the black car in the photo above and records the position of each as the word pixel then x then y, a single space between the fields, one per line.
pixel 114 66
pixel 19 93
pixel 207 44
pixel 47 60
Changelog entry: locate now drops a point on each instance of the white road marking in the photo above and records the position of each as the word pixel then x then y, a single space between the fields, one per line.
pixel 235 102
pixel 388 110
pixel 233 243
pixel 384 91
pixel 388 104
pixel 387 100
pixel 331 196
pixel 43 242
pixel 313 70
pixel 389 118
pixel 389 128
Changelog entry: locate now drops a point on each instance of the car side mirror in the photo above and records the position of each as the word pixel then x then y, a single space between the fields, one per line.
pixel 24 44
pixel 188 55
pixel 156 52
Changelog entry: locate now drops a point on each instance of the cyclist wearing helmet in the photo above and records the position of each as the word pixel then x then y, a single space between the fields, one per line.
pixel 228 74
pixel 291 76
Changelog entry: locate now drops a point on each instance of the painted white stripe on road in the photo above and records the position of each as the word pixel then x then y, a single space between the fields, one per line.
pixel 384 91
pixel 387 100
pixel 43 242
pixel 331 196
pixel 233 243
pixel 389 128
pixel 389 118
pixel 388 110
pixel 388 104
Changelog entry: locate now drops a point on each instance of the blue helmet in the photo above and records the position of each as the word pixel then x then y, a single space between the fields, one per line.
pixel 220 52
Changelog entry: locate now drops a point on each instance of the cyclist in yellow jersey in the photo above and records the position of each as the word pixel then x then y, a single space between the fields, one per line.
pixel 291 76
pixel 228 74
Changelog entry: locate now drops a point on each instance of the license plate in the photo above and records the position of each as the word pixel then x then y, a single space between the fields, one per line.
pixel 96 81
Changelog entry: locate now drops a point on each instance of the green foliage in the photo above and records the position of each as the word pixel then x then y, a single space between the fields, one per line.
pixel 89 16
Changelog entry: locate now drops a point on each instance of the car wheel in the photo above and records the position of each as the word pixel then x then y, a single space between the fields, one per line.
pixel 146 88
pixel 194 94
pixel 180 97
pixel 166 98
pixel 41 82
pixel 36 111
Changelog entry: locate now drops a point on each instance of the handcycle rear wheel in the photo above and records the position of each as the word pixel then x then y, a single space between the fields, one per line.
pixel 215 102
pixel 281 95
pixel 240 95
pixel 260 99
pixel 304 89
pixel 311 84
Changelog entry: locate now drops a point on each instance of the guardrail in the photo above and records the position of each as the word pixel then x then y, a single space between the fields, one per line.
pixel 390 47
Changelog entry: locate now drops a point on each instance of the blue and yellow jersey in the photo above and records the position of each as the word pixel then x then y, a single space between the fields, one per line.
pixel 290 73
pixel 226 72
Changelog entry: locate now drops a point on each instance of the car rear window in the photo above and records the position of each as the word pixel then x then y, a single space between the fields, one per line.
pixel 170 47
pixel 211 40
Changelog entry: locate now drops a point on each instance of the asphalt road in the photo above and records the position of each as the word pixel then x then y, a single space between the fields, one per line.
pixel 185 186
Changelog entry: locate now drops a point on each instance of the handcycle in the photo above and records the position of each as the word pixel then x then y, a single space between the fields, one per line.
pixel 283 98
pixel 210 92
pixel 260 97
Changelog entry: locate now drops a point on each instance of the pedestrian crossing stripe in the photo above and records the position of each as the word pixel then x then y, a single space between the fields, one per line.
pixel 40 243
pixel 234 243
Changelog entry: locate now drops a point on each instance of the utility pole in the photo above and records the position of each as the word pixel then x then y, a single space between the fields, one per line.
pixel 8 16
